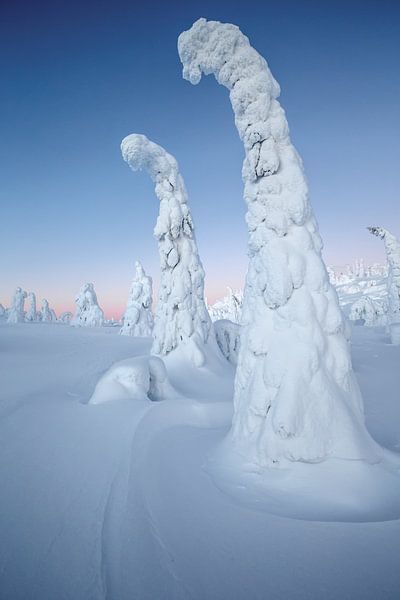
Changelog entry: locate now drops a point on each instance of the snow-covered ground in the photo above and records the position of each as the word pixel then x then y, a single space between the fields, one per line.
pixel 116 501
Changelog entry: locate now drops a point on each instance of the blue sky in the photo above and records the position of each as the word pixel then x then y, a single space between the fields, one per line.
pixel 77 77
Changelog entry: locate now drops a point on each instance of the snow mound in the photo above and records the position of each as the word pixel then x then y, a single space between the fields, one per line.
pixel 139 378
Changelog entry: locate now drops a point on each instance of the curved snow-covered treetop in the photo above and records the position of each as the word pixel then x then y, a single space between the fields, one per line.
pixel 296 396
pixel 392 247
pixel 181 314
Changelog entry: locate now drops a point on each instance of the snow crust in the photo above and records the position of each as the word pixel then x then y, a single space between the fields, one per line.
pixel 296 397
pixel 181 314
pixel 88 312
pixel 16 312
pixel 138 318
pixel 392 247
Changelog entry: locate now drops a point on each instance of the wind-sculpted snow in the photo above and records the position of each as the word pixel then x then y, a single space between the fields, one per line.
pixel 88 312
pixel 181 316
pixel 138 318
pixel 392 247
pixel 16 312
pixel 296 397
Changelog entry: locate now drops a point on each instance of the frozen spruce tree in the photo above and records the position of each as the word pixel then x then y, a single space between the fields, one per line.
pixel 88 312
pixel 296 396
pixel 392 247
pixel 46 313
pixel 16 312
pixel 181 316
pixel 138 318
pixel 31 313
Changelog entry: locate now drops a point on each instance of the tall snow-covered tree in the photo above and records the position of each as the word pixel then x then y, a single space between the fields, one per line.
pixel 181 317
pixel 31 313
pixel 88 312
pixel 138 318
pixel 46 313
pixel 16 312
pixel 392 247
pixel 296 396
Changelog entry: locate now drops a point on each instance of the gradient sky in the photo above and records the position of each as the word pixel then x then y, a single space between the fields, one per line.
pixel 77 77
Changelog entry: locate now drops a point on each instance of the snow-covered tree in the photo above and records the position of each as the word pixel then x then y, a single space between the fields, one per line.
pixel 230 307
pixel 181 317
pixel 88 312
pixel 2 310
pixel 392 247
pixel 16 312
pixel 46 313
pixel 296 396
pixel 138 318
pixel 65 317
pixel 366 310
pixel 31 313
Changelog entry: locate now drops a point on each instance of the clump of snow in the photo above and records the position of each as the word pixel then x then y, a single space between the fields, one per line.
pixel 32 314
pixel 296 397
pixel 227 334
pixel 181 316
pixel 88 312
pixel 392 247
pixel 139 378
pixel 138 318
pixel 16 312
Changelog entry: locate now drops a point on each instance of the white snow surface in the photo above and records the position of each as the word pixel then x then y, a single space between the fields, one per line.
pixel 296 397
pixel 181 316
pixel 138 318
pixel 116 501
pixel 88 312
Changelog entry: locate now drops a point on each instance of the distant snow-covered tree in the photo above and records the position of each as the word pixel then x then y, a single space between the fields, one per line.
pixel 2 310
pixel 31 313
pixel 392 247
pixel 88 312
pixel 367 311
pixel 230 307
pixel 65 317
pixel 296 396
pixel 138 318
pixel 46 314
pixel 16 312
pixel 181 317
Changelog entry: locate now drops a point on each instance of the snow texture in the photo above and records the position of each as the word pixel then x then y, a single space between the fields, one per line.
pixel 31 314
pixel 181 317
pixel 296 397
pixel 138 318
pixel 392 247
pixel 16 312
pixel 88 312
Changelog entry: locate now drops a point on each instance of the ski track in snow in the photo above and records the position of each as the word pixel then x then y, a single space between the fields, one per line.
pixel 112 501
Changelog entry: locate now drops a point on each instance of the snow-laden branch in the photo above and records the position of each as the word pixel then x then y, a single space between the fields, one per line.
pixel 181 314
pixel 392 247
pixel 296 396
pixel 138 318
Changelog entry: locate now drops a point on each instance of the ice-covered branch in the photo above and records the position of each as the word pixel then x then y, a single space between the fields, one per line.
pixel 392 247
pixel 296 396
pixel 181 315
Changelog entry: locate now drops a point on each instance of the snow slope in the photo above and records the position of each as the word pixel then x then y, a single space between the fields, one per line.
pixel 116 500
